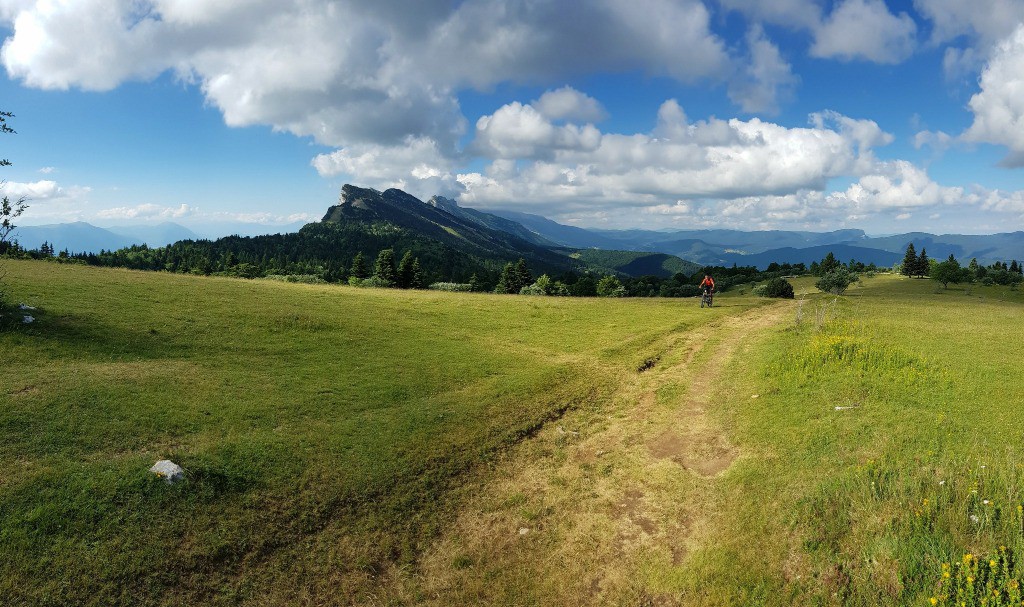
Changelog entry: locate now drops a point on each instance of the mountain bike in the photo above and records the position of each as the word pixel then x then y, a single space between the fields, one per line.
pixel 706 299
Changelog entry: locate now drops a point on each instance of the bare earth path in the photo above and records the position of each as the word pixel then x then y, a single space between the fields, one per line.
pixel 604 506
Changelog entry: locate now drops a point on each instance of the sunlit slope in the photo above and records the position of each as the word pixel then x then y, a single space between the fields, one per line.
pixel 860 450
pixel 328 432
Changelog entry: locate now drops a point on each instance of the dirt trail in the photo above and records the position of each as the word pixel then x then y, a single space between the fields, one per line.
pixel 583 511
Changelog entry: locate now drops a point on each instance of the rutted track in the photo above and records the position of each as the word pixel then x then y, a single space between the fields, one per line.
pixel 574 514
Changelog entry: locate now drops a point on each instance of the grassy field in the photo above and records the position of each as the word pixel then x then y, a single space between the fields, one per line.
pixel 348 446
pixel 328 432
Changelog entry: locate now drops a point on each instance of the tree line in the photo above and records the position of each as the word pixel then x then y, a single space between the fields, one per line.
pixel 919 265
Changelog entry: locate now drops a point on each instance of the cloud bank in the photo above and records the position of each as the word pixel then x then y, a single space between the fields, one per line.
pixel 380 83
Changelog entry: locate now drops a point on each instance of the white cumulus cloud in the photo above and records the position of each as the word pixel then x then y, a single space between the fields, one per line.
pixel 865 29
pixel 567 103
pixel 35 190
pixel 679 159
pixel 999 106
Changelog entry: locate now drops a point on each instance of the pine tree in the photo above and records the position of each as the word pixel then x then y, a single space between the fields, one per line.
pixel 474 283
pixel 973 267
pixel 910 261
pixel 404 278
pixel 522 276
pixel 359 269
pixel 505 280
pixel 418 280
pixel 923 267
pixel 1015 267
pixel 829 264
pixel 385 267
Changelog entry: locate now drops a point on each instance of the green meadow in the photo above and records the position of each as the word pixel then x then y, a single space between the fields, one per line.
pixel 380 447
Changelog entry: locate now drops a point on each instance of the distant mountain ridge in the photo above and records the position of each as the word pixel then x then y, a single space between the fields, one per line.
pixel 468 232
pixel 495 237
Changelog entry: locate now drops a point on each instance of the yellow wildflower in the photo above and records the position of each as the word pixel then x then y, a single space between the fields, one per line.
pixel 934 601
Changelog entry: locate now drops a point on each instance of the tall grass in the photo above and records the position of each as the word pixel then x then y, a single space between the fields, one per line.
pixel 887 465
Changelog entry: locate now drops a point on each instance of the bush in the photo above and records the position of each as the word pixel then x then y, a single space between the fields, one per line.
pixel 454 287
pixel 609 286
pixel 836 281
pixel 776 287
pixel 545 286
pixel 309 279
pixel 377 282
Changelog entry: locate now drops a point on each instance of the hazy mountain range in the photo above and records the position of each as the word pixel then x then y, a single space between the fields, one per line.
pixel 508 234
pixel 82 237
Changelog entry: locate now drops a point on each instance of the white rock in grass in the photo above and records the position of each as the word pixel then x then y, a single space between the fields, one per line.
pixel 25 306
pixel 168 470
pixel 28 319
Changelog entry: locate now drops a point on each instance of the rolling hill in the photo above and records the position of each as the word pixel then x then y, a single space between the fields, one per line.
pixel 635 263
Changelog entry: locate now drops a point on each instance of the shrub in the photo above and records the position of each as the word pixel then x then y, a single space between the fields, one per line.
pixel 609 286
pixel 309 279
pixel 776 287
pixel 837 281
pixel 545 286
pixel 454 287
pixel 377 282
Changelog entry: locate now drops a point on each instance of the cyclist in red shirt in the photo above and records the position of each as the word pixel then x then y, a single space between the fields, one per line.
pixel 708 284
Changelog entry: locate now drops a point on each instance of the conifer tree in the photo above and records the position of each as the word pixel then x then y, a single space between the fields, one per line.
pixel 923 267
pixel 1015 267
pixel 505 279
pixel 973 267
pixel 474 283
pixel 522 275
pixel 359 269
pixel 829 264
pixel 910 261
pixel 405 271
pixel 385 267
pixel 417 280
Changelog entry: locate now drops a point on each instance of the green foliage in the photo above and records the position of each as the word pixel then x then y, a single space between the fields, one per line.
pixel 309 279
pixel 949 271
pixel 586 286
pixel 419 279
pixel 545 286
pixel 384 269
pixel 923 266
pixel 376 282
pixel 829 264
pixel 404 276
pixel 452 287
pixel 609 286
pixel 359 269
pixel 909 265
pixel 837 281
pixel 776 287
pixel 514 277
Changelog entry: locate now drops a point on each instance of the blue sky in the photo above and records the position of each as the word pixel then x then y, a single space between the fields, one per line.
pixel 793 114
